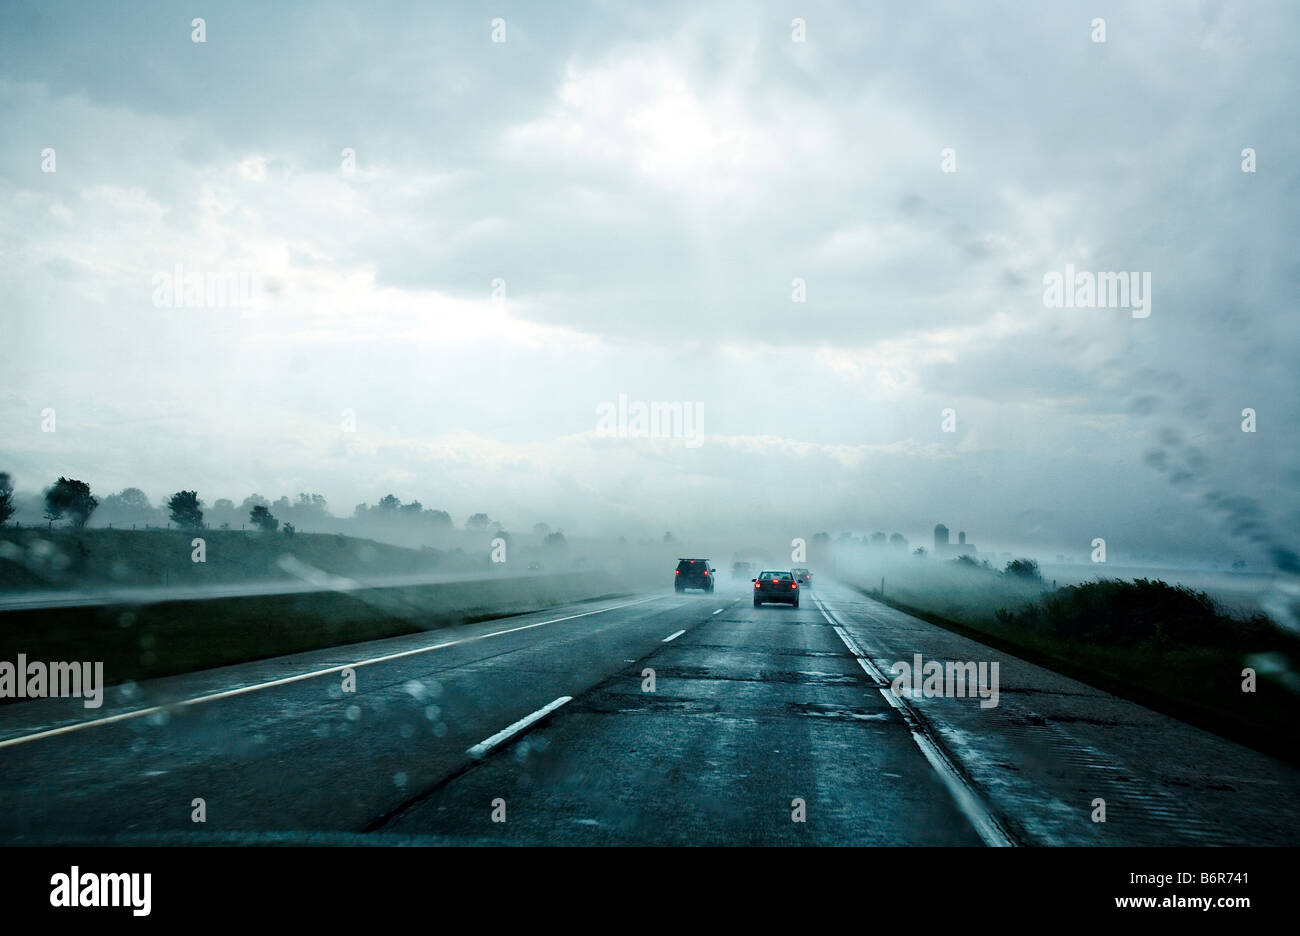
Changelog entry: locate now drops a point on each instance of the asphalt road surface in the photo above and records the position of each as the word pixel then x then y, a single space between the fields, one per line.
pixel 545 729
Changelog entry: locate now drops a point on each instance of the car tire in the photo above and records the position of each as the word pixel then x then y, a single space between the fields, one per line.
pixel 757 603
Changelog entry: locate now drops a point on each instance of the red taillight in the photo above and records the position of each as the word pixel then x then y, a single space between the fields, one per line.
pixel 678 572
pixel 758 585
pixel 794 584
pixel 706 573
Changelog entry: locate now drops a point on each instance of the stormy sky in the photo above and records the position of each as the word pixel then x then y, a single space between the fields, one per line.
pixel 618 199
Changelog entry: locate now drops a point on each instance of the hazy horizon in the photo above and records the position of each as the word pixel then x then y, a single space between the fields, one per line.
pixel 610 208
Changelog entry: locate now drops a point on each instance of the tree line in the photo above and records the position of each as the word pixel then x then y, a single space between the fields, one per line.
pixel 70 500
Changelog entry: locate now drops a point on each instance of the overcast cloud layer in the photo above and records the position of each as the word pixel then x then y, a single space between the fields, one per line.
pixel 647 184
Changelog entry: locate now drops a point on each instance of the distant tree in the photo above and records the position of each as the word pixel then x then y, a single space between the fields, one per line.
pixel 556 539
pixel 6 498
pixel 72 498
pixel 263 519
pixel 186 510
pixel 478 521
pixel 878 538
pixel 1026 569
pixel 668 539
pixel 224 504
pixel 541 529
pixel 131 498
pixel 130 505
pixel 254 500
pixel 438 518
pixel 919 552
pixel 289 529
pixel 360 510
pixel 388 504
pixel 413 508
pixel 898 539
pixel 821 539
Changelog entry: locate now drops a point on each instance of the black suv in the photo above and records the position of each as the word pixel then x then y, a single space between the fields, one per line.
pixel 694 573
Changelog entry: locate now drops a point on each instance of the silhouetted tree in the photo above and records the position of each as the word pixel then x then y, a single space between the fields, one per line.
pixel 1026 569
pixel 263 519
pixel 186 509
pixel 478 521
pixel 878 538
pixel 541 529
pixel 6 498
pixel 388 504
pixel 898 539
pixel 556 539
pixel 70 497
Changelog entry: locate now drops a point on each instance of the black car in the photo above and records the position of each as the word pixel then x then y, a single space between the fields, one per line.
pixel 802 576
pixel 776 587
pixel 694 573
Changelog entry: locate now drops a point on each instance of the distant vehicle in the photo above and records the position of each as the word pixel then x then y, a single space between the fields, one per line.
pixel 534 567
pixel 776 587
pixel 742 570
pixel 802 576
pixel 694 573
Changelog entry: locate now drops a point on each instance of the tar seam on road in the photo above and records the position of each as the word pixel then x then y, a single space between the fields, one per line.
pixel 971 805
pixel 374 825
pixel 228 693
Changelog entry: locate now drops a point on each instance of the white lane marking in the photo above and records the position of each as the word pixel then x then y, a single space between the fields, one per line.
pixel 672 636
pixel 212 697
pixel 972 807
pixel 719 611
pixel 483 747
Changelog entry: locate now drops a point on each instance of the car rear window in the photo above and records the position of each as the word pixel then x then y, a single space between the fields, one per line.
pixel 783 576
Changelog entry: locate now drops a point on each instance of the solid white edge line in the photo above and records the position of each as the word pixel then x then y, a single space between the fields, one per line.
pixel 672 636
pixel 483 747
pixel 228 693
pixel 971 806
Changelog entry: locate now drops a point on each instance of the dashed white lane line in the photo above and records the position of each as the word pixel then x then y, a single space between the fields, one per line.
pixel 673 636
pixel 483 747
pixel 214 696
pixel 719 611
pixel 972 807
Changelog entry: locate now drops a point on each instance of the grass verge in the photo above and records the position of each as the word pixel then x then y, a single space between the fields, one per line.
pixel 1165 647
